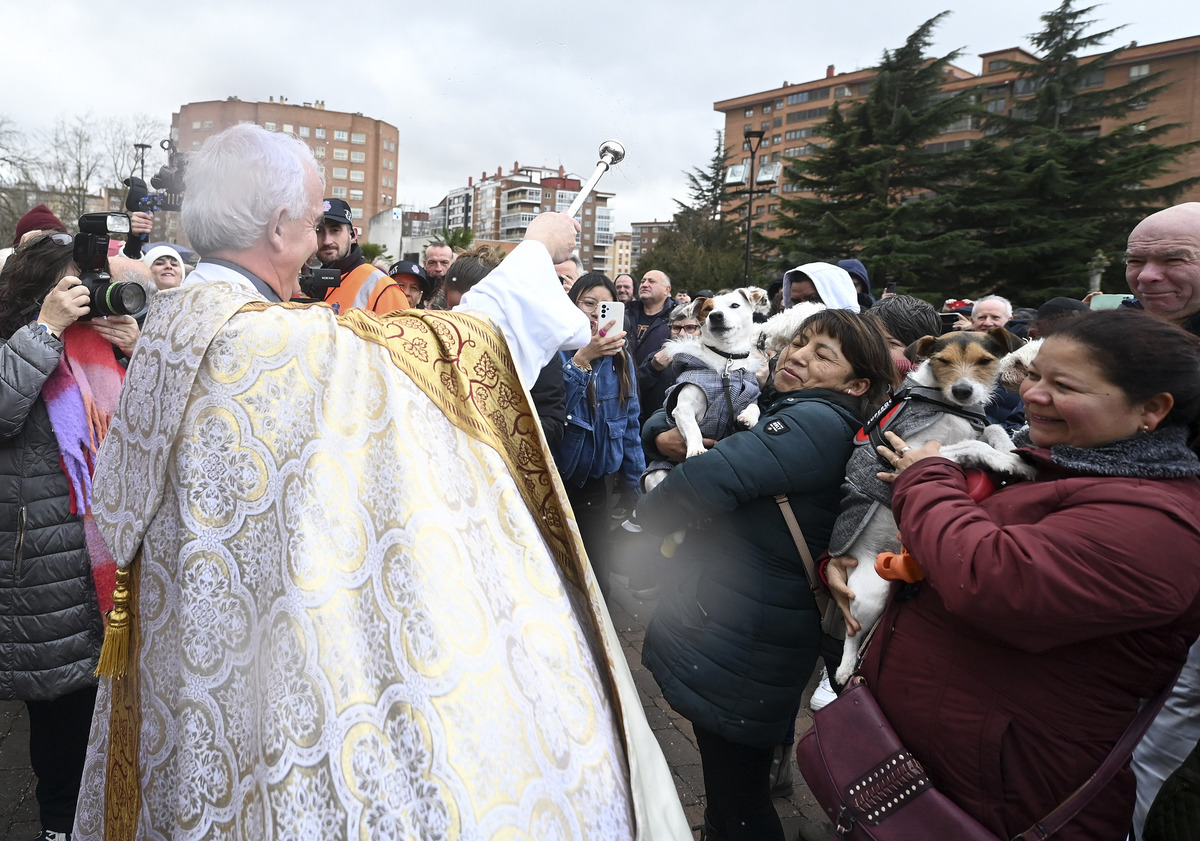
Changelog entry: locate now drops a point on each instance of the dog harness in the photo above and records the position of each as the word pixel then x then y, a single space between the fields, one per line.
pixel 902 400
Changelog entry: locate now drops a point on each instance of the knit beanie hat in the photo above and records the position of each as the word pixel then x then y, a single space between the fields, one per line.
pixel 38 219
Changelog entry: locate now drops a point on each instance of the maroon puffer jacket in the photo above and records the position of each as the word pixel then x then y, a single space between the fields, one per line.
pixel 1048 611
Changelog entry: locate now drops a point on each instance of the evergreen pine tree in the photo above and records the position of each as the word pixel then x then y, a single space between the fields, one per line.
pixel 1064 182
pixel 872 189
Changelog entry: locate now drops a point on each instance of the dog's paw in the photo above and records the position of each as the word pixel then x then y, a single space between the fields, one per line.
pixel 749 416
pixel 696 451
pixel 980 454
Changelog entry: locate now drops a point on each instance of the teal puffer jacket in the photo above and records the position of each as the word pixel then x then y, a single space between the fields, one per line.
pixel 735 639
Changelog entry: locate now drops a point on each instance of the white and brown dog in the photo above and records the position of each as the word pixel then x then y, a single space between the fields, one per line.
pixel 717 391
pixel 942 400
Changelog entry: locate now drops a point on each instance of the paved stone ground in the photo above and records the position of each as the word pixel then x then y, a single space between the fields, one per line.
pixel 802 817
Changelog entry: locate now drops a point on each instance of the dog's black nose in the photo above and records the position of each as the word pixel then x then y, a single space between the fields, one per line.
pixel 716 317
pixel 960 392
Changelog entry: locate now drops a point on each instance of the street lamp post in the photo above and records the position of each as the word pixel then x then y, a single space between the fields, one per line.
pixel 753 139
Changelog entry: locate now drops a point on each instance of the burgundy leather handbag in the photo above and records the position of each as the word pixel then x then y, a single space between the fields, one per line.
pixel 872 787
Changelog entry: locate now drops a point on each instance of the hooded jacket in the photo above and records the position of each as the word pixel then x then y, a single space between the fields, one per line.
pixel 834 285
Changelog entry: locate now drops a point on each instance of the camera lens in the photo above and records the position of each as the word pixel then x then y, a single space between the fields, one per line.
pixel 124 298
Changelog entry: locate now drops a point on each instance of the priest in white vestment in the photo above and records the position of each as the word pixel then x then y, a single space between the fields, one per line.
pixel 353 603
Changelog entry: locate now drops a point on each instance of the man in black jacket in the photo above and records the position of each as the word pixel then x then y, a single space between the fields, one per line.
pixel 647 322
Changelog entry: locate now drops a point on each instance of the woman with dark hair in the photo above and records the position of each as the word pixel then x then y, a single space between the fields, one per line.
pixel 600 453
pixel 734 643
pixel 1052 608
pixel 59 380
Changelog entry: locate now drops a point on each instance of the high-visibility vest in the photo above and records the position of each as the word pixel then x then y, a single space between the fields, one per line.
pixel 362 288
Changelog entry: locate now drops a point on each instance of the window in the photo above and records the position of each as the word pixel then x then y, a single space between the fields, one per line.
pixel 357 175
pixel 304 131
pixel 343 136
pixel 358 139
pixel 811 114
pixel 1024 87
pixel 864 89
pixel 808 96
pixel 996 65
pixel 339 172
pixel 996 106
pixel 320 134
pixel 356 212
pixel 843 90
pixel 749 112
pixel 777 122
pixel 339 192
pixel 269 126
pixel 1138 71
pixel 767 109
pixel 195 125
pixel 207 125
pixel 1094 79
pixel 765 125
pixel 288 128
pixel 777 139
pixel 341 155
pixel 319 151
pixel 358 157
pixel 356 195
pixel 779 105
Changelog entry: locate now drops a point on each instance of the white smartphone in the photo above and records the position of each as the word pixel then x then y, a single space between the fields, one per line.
pixel 611 311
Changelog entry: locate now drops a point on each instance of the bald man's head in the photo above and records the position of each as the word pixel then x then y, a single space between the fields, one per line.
pixel 1162 262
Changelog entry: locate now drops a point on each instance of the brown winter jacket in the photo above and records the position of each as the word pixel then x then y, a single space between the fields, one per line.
pixel 1048 611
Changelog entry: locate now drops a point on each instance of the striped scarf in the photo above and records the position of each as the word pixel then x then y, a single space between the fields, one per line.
pixel 80 395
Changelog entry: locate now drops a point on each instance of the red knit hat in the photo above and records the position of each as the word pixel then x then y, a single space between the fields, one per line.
pixel 38 219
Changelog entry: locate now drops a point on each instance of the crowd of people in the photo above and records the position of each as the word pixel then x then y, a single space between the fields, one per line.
pixel 321 559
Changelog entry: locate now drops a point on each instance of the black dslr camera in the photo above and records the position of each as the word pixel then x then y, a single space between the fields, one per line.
pixel 106 297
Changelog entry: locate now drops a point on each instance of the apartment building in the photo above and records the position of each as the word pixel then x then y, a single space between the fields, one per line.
pixel 500 206
pixel 643 237
pixel 357 153
pixel 791 115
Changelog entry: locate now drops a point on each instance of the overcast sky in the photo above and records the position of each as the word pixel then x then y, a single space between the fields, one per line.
pixel 476 84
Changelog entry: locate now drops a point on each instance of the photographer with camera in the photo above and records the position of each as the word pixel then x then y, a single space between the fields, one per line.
pixel 59 381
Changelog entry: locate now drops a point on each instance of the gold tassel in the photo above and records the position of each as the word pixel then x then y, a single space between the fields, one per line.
pixel 114 654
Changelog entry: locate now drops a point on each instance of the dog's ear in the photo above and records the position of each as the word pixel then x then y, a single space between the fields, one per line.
pixel 1007 340
pixel 701 307
pixel 758 299
pixel 922 348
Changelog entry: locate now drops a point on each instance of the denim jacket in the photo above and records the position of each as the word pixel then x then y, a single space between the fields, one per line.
pixel 603 439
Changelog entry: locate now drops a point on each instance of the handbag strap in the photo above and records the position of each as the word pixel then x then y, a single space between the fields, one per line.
pixel 820 594
pixel 1113 763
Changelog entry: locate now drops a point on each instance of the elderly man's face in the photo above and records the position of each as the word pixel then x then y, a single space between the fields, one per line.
pixel 299 238
pixel 1162 263
pixel 437 260
pixel 624 286
pixel 989 315
pixel 654 288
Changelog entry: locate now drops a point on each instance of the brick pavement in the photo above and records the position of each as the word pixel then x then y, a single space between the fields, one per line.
pixel 802 817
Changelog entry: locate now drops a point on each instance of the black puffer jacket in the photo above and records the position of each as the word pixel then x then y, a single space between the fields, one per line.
pixel 734 644
pixel 50 624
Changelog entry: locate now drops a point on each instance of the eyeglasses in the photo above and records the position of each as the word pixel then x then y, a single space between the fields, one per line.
pixel 56 238
pixel 587 304
pixel 685 328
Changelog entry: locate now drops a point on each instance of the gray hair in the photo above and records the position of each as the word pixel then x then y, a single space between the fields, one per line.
pixel 1007 303
pixel 236 181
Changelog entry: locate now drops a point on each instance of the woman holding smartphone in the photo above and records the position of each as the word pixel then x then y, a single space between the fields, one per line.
pixel 601 450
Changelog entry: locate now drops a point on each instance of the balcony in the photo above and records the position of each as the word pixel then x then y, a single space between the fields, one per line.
pixel 522 195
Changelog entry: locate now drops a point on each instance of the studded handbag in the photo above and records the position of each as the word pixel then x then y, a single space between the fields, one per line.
pixel 874 789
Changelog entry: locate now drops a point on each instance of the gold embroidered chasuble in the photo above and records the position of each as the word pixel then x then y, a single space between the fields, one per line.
pixel 361 607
